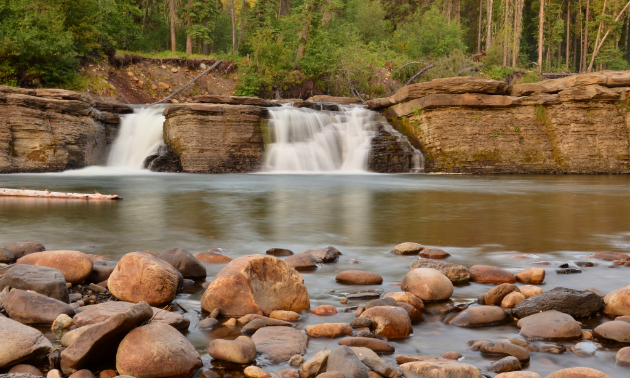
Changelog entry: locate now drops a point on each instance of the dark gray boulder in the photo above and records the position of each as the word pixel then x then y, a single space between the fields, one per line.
pixel 184 262
pixel 577 303
pixel 20 249
pixel 40 279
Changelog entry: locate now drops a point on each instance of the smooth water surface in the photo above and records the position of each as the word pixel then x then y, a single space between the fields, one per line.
pixel 477 219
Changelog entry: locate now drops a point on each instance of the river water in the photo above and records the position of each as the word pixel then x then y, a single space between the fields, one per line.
pixel 477 219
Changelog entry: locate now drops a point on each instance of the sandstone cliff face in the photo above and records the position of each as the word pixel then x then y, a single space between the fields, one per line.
pixel 557 127
pixel 215 138
pixel 48 130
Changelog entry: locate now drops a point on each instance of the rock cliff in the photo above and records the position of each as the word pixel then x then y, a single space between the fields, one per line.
pixel 49 130
pixel 576 124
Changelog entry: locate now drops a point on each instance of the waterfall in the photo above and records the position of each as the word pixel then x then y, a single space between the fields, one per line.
pixel 140 135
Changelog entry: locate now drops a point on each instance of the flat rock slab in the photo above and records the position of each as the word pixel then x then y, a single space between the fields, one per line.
pixel 21 344
pixel 576 303
pixel 32 308
pixel 550 325
pixel 279 344
pixel 99 313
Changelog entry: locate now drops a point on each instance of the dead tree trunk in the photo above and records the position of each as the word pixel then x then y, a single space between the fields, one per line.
pixel 479 27
pixel 568 33
pixel 173 34
pixel 189 41
pixel 233 27
pixel 541 24
pixel 489 29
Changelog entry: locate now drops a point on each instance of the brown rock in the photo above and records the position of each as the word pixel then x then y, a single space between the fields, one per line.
pixel 391 322
pixel 359 277
pixel 269 322
pixel 613 331
pixel 530 290
pixel 54 374
pixel 335 374
pixel 378 346
pixel 519 374
pixel 478 316
pixel 325 310
pixel 550 325
pixel 84 373
pixel 157 350
pixel 279 344
pixel 402 296
pixel 512 300
pixel 623 357
pixel 232 100
pixel 302 261
pixel 433 253
pixel 427 284
pixel 74 265
pixel 108 374
pixel 414 314
pixel 345 360
pixel 100 273
pixel 264 283
pixel 456 273
pixel 141 277
pixel 32 308
pixel 588 93
pixel 532 276
pixel 617 302
pixel 212 257
pixel 594 290
pixel 442 369
pixel 40 279
pixel 184 262
pixel 26 369
pixel 315 365
pixel 505 364
pixel 578 372
pixel 504 348
pixel 279 252
pixel 284 315
pixel 240 351
pixel 99 313
pixel 451 355
pixel 21 249
pixel 407 248
pixel 329 330
pixel 335 100
pixel 20 343
pixel 256 372
pixel 483 273
pixel 495 295
pixel 609 256
pixel 327 255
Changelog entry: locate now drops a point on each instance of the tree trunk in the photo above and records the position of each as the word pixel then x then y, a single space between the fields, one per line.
pixel 541 21
pixel 517 31
pixel 506 4
pixel 233 27
pixel 489 30
pixel 240 33
pixel 627 31
pixel 189 41
pixel 599 45
pixel 575 49
pixel 479 27
pixel 459 12
pixel 568 33
pixel 599 31
pixel 585 52
pixel 144 19
pixel 448 10
pixel 173 34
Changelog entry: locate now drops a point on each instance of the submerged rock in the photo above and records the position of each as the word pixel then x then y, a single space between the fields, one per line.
pixel 359 277
pixel 21 249
pixel 6 256
pixel 303 261
pixel 279 252
pixel 21 344
pixel 623 357
pixel 74 265
pixel 378 346
pixel 211 257
pixel 327 255
pixel 576 303
pixel 504 348
pixel 40 279
pixel 445 369
pixel 433 253
pixel 504 365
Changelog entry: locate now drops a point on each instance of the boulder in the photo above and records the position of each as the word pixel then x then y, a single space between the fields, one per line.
pixel 407 248
pixel 184 262
pixel 381 367
pixel 613 331
pixel 240 351
pixel 327 255
pixel 284 315
pixel 315 365
pixel 74 265
pixel 531 276
pixel 402 296
pixel 279 252
pixel 32 308
pixel 359 277
pixel 90 345
pixel 512 299
pixel 505 364
pixel 142 277
pixel 212 257
pixel 456 273
pixel 495 295
pixel 578 372
pixel 26 369
pixel 100 273
pixel 617 302
pixel 391 322
pixel 530 290
pixel 609 256
pixel 623 357
pixel 263 283
pixel 490 274
pixel 6 256
pixel 550 325
pixel 433 253
pixel 505 349
pixel 40 279
pixel 325 310
pixel 576 303
pixel 378 346
pixel 344 360
pixel 427 284
pixel 386 301
pixel 279 344
pixel 302 261
pixel 93 314
pixel 21 344
pixel 442 369
pixel 329 330
pixel 588 93
pixel 478 316
pixel 157 350
pixel 21 249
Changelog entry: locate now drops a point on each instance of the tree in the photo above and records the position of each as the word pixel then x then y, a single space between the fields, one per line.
pixel 489 28
pixel 173 33
pixel 541 24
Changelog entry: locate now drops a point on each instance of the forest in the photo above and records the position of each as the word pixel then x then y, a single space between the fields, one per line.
pixel 344 47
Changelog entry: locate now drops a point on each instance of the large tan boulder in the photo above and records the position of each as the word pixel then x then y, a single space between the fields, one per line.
pixel 157 350
pixel 617 302
pixel 442 369
pixel 256 284
pixel 142 277
pixel 427 284
pixel 20 343
pixel 74 265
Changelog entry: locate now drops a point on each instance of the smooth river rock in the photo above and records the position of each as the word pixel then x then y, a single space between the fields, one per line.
pixel 21 249
pixel 576 303
pixel 550 325
pixel 623 357
pixel 263 283
pixel 33 308
pixel 530 290
pixel 242 350
pixel 6 256
pixel 617 331
pixel 578 372
pixel 184 262
pixel 427 284
pixel 456 273
pixel 490 274
pixel 534 276
pixel 93 314
pixel 407 248
pixel 609 256
pixel 344 360
pixel 303 261
pixel 157 350
pixel 329 330
pixel 442 369
pixel 142 277
pixel 327 255
pixel 315 365
pixel 21 344
pixel 279 344
pixel 505 348
pixel 26 369
pixel 325 310
pixel 211 257
pixel 403 296
pixel 617 302
pixel 279 252
pixel 478 316
pixel 512 299
pixel 74 265
pixel 40 279
pixel 495 295
pixel 433 253
pixel 386 301
pixel 359 277
pixel 519 374
pixel 389 321
pixel 506 364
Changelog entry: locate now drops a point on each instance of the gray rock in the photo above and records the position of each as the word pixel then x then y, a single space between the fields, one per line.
pixel 387 301
pixel 327 255
pixel 32 308
pixel 40 279
pixel 6 256
pixel 384 369
pixel 505 365
pixel 21 344
pixel 345 361
pixel 577 303
pixel 456 273
pixel 75 297
pixel 253 326
pixel 279 344
pixel 361 322
pixel 20 249
pixel 207 323
pixel 184 262
pixel 100 273
pixel 98 313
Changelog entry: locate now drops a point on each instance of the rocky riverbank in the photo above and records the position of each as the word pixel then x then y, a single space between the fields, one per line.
pixel 116 317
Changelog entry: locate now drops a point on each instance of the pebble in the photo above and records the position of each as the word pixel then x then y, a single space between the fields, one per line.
pixel 230 322
pixel 451 355
pixel 296 360
pixel 530 290
pixel 325 310
pixel 586 349
pixel 505 348
pixel 401 296
pixel 343 301
pixel 359 311
pixel 207 323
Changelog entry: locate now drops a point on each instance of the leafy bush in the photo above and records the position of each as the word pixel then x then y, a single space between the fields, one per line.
pixel 430 35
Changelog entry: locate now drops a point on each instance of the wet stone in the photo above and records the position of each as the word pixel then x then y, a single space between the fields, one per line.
pixel 279 252
pixel 478 316
pixel 378 346
pixel 586 349
pixel 433 253
pixel 325 310
pixel 623 357
pixel 537 326
pixel 616 331
pixel 327 255
pixel 581 372
pixel 505 365
pixel 362 321
pixel 504 348
pixel 456 273
pixel 576 303
pixel 551 348
pixel 407 248
pixel 359 277
pixel 279 344
pixel 386 301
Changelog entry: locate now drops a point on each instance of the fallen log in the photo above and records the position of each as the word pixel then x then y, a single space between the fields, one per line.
pixel 48 194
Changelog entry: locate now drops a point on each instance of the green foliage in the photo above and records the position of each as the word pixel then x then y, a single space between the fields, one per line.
pixel 497 72
pixel 430 35
pixel 370 21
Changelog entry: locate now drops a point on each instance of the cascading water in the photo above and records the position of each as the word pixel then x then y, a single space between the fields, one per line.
pixel 140 135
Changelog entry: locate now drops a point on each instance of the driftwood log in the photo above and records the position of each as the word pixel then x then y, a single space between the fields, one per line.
pixel 48 194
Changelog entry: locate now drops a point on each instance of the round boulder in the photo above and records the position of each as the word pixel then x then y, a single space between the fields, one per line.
pixel 427 284
pixel 142 277
pixel 74 265
pixel 402 296
pixel 495 295
pixel 407 248
pixel 40 279
pixel 263 283
pixel 284 315
pixel 21 249
pixel 578 372
pixel 359 277
pixel 531 276
pixel 157 350
pixel 536 327
pixel 490 274
pixel 240 351
pixel 617 302
pixel 512 299
pixel 184 262
pixel 389 321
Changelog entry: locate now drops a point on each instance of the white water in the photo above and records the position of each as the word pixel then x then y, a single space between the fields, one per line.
pixel 140 135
